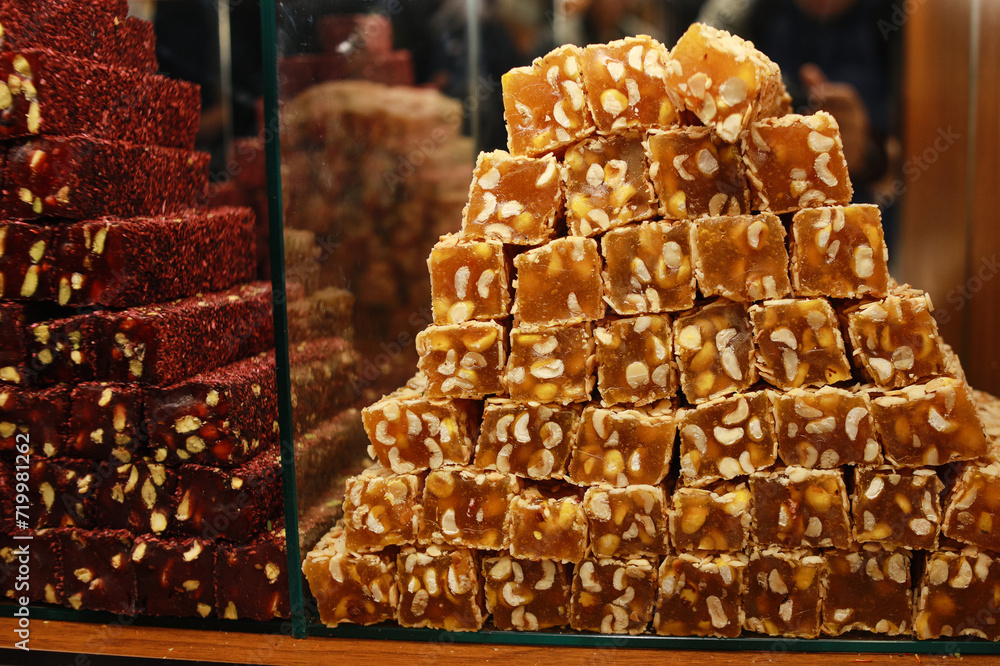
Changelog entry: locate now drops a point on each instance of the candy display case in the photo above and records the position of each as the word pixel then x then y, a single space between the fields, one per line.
pixel 573 336
pixel 635 375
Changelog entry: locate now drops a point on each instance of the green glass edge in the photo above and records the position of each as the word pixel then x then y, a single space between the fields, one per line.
pixel 571 639
pixel 540 638
pixel 272 146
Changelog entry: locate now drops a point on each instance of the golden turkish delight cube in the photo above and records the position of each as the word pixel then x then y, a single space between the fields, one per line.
pixel 694 174
pixel 462 360
pixel 649 268
pixel 958 595
pixel 551 364
pixel 410 433
pixel 547 523
pixel 526 595
pixel 839 252
pixel 784 592
pixel 825 428
pixel 513 199
pixel 467 507
pixel 468 280
pixel 700 595
pixel 544 104
pixel 929 424
pixel 621 446
pixel 635 360
pixel 798 343
pixel 724 80
pixel 625 86
pixel 803 507
pixel 527 440
pixel 895 341
pixel 559 283
pixel 973 507
pixel 742 258
pixel 714 519
pixel 796 162
pixel 356 589
pixel 440 588
pixel 727 437
pixel 897 507
pixel 627 522
pixel 606 184
pixel 715 352
pixel 613 596
pixel 381 509
pixel 868 589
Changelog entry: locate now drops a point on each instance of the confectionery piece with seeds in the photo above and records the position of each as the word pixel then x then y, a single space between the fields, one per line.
pixel 695 174
pixel 544 104
pixel 439 588
pixel 895 340
pixel 957 595
pixel 613 596
pixel 526 439
pixel 715 351
pixel 799 507
pixel 526 595
pixel 548 523
pixel 798 343
pixel 839 252
pixel 648 268
pixel 622 446
pixel 868 589
pixel 784 592
pixel 795 162
pixel 513 199
pixel 624 84
pixel 462 360
pixel 358 589
pixel 607 184
pixel 468 280
pixel 727 437
pixel 825 428
pixel 467 507
pixel 724 80
pixel 700 595
pixel 713 519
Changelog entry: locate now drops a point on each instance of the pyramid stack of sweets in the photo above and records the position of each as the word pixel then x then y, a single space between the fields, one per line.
pixel 137 389
pixel 693 417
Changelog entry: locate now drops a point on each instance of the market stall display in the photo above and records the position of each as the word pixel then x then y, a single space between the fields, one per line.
pixel 767 454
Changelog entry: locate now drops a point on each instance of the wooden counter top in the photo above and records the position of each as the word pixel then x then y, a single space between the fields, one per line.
pixel 231 647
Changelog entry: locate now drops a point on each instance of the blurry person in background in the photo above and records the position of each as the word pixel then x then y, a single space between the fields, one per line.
pixel 541 25
pixel 834 58
pixel 602 21
pixel 497 54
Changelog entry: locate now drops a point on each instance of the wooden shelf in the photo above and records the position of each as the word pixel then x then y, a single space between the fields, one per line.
pixel 194 645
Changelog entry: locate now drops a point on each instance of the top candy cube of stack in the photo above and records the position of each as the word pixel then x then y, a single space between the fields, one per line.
pixel 626 86
pixel 724 80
